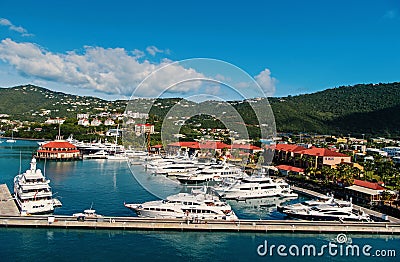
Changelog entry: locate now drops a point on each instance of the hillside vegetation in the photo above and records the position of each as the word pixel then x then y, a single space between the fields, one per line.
pixel 371 109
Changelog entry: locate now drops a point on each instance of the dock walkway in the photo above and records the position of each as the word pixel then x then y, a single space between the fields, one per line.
pixel 262 226
pixel 7 204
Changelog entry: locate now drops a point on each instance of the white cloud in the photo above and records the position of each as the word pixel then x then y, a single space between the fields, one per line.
pixel 391 14
pixel 19 29
pixel 153 50
pixel 108 70
pixel 138 53
pixel 115 71
pixel 266 82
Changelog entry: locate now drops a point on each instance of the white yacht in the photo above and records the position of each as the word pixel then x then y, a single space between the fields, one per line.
pixel 186 206
pixel 322 200
pixel 328 212
pixel 212 173
pixel 119 157
pixel 255 186
pixel 33 193
pixel 177 168
pixel 11 140
pixel 98 155
pixel 324 208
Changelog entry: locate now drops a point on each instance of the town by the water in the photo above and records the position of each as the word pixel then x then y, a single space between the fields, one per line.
pixel 345 179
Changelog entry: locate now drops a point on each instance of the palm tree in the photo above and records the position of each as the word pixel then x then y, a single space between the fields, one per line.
pixel 369 167
pixel 345 173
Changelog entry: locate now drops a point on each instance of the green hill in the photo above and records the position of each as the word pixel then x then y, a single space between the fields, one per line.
pixel 360 109
pixel 29 102
pixel 367 108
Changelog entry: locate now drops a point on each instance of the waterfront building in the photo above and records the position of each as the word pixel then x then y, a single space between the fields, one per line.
pixel 285 169
pixel 58 150
pixel 365 192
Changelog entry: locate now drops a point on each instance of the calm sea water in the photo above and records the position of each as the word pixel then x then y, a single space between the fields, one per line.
pixel 107 185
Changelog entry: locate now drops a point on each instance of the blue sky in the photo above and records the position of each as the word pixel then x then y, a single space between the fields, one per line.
pixel 294 47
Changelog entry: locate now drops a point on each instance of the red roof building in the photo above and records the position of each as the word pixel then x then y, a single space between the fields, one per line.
pixel 287 168
pixel 58 150
pixel 318 151
pixel 323 156
pixel 364 191
pixel 367 184
pixel 247 147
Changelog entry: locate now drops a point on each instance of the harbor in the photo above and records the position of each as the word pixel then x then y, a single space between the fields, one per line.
pixel 106 185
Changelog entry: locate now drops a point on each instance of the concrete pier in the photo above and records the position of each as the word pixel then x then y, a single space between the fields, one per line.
pixel 262 226
pixel 7 204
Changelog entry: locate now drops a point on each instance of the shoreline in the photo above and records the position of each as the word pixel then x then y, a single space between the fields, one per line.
pixel 21 138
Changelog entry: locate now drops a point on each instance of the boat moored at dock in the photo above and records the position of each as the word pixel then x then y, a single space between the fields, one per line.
pixel 33 193
pixel 186 205
pixel 328 209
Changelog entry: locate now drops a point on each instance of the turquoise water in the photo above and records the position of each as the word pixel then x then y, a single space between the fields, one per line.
pixel 107 184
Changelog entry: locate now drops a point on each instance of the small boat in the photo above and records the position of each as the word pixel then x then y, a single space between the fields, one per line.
pixel 98 155
pixel 121 157
pixel 12 140
pixel 87 213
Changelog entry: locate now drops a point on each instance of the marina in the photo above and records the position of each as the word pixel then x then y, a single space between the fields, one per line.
pixel 9 219
pixel 108 184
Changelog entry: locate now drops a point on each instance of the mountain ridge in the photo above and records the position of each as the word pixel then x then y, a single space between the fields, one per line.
pixel 359 109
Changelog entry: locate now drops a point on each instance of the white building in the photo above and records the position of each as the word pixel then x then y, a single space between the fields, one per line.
pixel 359 148
pixel 137 115
pixel 109 122
pixel 53 121
pixel 376 151
pixel 95 122
pixel 82 116
pixel 83 122
pixel 144 128
pixel 392 151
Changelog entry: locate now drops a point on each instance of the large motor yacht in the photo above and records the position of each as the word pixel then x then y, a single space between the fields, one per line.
pixel 255 186
pixel 186 206
pixel 33 193
pixel 327 208
pixel 212 173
